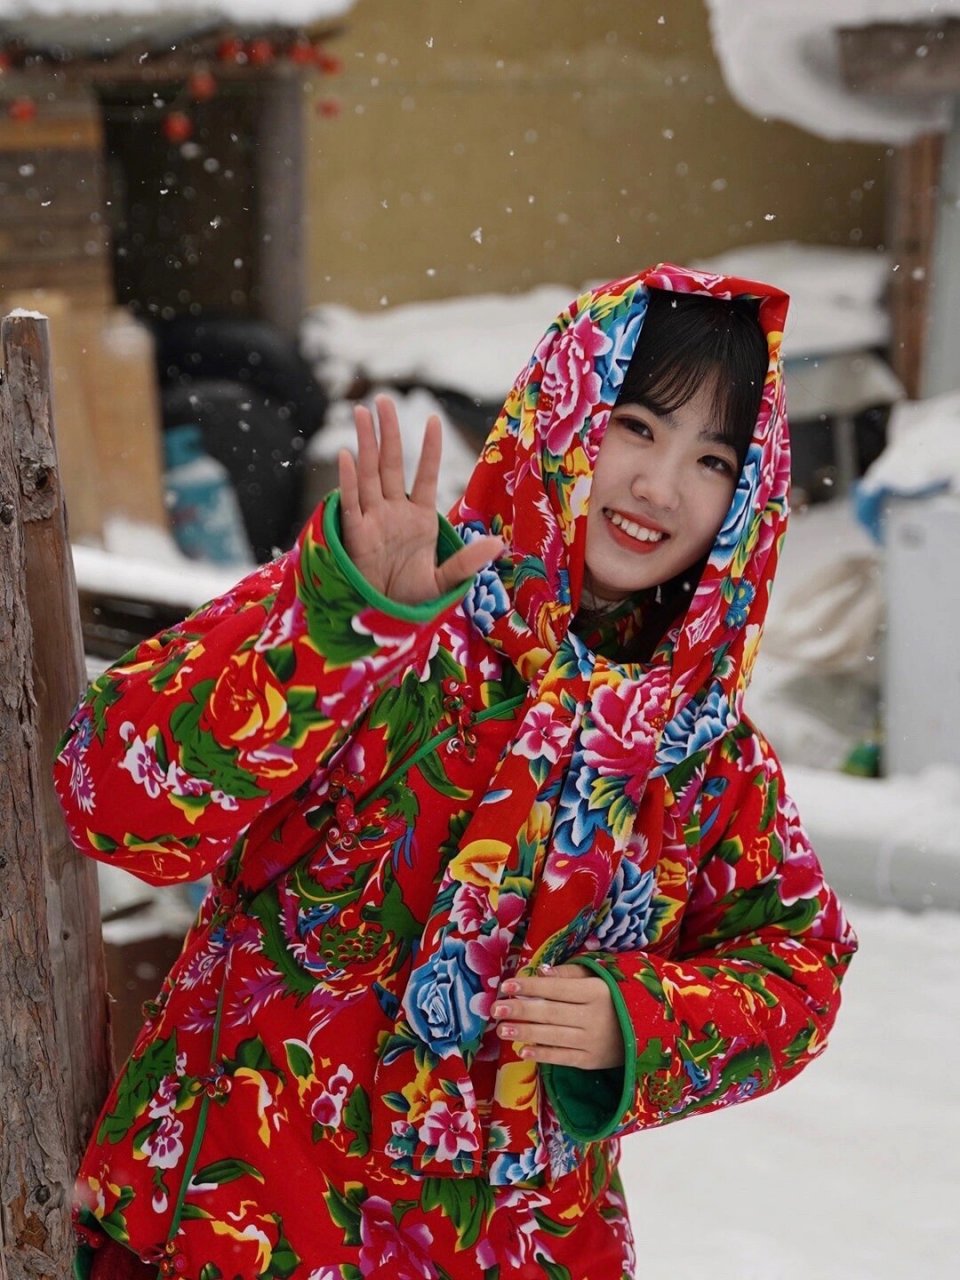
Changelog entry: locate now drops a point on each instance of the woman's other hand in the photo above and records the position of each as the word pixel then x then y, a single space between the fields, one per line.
pixel 564 1016
pixel 390 537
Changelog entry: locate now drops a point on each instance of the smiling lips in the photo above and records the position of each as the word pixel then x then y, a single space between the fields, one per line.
pixel 631 533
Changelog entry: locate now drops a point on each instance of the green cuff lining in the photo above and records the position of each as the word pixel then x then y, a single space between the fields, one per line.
pixel 591 1104
pixel 448 542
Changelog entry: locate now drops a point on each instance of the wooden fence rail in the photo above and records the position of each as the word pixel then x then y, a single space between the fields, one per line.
pixel 54 1026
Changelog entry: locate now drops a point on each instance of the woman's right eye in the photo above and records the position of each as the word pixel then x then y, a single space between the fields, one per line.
pixel 636 426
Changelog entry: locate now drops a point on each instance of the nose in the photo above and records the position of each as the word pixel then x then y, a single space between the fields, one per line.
pixel 658 485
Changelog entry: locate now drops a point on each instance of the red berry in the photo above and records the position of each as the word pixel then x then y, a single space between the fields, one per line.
pixel 329 63
pixel 202 85
pixel 22 109
pixel 302 52
pixel 231 50
pixel 177 127
pixel 260 52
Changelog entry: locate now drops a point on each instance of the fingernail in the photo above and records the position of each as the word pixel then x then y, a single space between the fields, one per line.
pixel 510 988
pixel 546 968
pixel 500 1010
pixel 508 1032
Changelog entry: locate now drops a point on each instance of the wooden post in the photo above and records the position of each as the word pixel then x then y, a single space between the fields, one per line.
pixel 914 186
pixel 54 1045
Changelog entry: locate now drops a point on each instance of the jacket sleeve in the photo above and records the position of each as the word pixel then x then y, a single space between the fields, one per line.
pixel 174 751
pixel 753 989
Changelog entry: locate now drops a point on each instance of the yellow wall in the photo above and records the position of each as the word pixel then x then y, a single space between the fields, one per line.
pixel 579 139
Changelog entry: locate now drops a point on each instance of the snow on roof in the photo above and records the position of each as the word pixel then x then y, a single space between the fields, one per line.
pixel 781 61
pixel 291 12
pixel 102 26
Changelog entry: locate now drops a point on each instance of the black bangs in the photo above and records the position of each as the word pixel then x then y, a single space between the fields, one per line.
pixel 689 341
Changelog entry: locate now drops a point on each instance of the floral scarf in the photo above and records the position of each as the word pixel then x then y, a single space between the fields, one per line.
pixel 594 740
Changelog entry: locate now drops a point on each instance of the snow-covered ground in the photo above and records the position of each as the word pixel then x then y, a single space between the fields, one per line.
pixel 851 1172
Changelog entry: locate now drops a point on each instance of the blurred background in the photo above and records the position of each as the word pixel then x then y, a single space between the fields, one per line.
pixel 240 227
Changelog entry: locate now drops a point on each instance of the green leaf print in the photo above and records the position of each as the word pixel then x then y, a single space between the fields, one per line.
pixel 283 1260
pixel 209 1271
pixel 800 1044
pixel 652 1058
pixel 552 1270
pixel 202 756
pixel 304 714
pixel 551 1227
pixel 103 695
pixel 223 1171
pixel 136 1087
pixel 299 1058
pixel 762 907
pixel 357 1117
pixel 468 1204
pixel 331 604
pixel 344 1209
pixel 253 1053
pixel 102 843
pixel 160 679
pixel 282 661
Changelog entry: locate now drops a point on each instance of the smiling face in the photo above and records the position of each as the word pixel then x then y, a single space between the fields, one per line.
pixel 661 488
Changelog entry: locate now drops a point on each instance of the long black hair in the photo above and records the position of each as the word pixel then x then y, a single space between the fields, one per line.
pixel 690 341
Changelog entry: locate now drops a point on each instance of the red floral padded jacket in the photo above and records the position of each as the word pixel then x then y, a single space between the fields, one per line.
pixel 400 806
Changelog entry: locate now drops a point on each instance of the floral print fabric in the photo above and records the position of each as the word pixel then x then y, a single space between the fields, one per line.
pixel 402 806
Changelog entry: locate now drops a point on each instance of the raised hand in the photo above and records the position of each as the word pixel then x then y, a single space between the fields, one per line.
pixel 565 1016
pixel 390 537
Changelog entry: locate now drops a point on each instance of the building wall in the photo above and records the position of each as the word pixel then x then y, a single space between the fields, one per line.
pixel 500 145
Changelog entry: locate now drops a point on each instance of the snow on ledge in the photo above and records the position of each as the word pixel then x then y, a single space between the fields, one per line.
pixel 781 61
pixel 292 12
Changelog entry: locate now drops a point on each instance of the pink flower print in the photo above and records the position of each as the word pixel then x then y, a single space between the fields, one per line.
pixel 327 1107
pixel 283 627
pixel 621 731
pixel 486 956
pixel 802 875
pixel 543 736
pixel 163 1146
pixel 162 1102
pixel 571 385
pixel 354 688
pixel 470 908
pixel 451 1132
pixel 140 761
pixel 389 1251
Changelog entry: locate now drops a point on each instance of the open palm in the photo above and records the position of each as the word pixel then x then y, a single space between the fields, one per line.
pixel 392 537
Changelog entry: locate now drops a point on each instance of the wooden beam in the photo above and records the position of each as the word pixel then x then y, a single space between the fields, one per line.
pixel 902 57
pixel 54 1051
pixel 913 193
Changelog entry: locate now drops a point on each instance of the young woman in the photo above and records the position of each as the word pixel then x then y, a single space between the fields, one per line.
pixel 501 871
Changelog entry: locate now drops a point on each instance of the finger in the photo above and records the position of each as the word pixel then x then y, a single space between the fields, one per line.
pixel 391 449
pixel 368 459
pixel 555 1056
pixel 347 475
pixel 464 563
pixel 566 990
pixel 540 1034
pixel 551 1012
pixel 424 491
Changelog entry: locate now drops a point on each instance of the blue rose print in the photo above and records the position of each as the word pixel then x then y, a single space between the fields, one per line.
pixel 698 725
pixel 437 1000
pixel 629 924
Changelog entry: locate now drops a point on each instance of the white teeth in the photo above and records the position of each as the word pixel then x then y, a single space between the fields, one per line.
pixel 635 530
